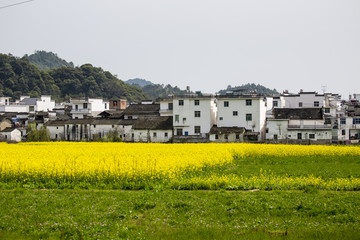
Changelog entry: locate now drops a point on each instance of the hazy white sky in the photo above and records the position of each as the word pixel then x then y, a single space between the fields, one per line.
pixel 206 44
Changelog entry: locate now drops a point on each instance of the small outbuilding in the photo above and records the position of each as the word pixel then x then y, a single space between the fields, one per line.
pixel 10 135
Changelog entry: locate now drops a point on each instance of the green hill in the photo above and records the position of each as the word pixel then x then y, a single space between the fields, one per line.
pixel 19 77
pixel 47 60
pixel 251 87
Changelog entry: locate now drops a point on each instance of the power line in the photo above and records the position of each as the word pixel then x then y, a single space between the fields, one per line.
pixel 11 5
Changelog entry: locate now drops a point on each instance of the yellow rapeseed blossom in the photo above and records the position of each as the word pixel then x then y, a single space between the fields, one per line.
pixel 94 162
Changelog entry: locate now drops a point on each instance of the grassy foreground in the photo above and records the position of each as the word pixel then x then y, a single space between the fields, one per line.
pixel 111 214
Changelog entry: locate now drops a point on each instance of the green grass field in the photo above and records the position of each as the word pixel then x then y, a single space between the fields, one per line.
pixel 170 214
pixel 162 209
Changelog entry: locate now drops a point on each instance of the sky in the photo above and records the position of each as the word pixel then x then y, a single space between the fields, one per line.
pixel 312 45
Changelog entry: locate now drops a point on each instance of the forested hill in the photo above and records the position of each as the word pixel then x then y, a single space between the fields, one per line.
pixel 251 87
pixel 47 60
pixel 139 82
pixel 19 77
pixel 155 91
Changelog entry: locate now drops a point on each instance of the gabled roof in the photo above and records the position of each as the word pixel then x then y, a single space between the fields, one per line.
pixel 106 121
pixel 154 123
pixel 9 129
pixel 30 101
pixel 298 113
pixel 143 109
pixel 226 130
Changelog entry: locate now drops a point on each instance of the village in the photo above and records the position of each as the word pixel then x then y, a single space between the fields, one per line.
pixel 302 118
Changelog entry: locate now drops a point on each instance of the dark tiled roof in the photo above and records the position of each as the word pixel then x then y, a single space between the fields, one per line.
pixel 143 109
pixel 30 101
pixel 155 122
pixel 226 130
pixel 8 129
pixel 298 113
pixel 127 121
pixel 106 121
pixel 55 123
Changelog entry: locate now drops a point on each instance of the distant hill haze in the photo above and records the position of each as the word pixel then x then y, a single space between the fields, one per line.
pixel 138 82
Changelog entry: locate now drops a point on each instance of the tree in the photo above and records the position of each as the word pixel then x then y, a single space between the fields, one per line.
pixel 35 135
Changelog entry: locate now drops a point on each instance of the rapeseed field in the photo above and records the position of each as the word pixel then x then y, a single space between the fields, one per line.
pixel 178 166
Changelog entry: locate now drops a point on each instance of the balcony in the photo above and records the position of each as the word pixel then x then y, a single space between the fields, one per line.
pixel 321 127
pixel 81 111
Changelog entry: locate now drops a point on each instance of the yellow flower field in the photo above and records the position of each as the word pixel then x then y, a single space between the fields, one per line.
pixel 91 162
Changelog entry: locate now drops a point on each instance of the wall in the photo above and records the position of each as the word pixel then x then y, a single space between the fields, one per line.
pixel 306 99
pixel 206 120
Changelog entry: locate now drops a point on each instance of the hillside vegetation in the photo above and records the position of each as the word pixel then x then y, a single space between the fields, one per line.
pixel 19 77
pixel 251 87
pixel 47 60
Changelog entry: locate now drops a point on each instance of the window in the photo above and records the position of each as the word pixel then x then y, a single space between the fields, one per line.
pixel 226 104
pixel 299 136
pixel 112 126
pixel 154 134
pixel 275 137
pixel 316 103
pixel 356 120
pixel 248 102
pixel 76 107
pixel 237 136
pixel 197 102
pixel 327 110
pixel 226 137
pixel 300 104
pixel 342 120
pixel 181 102
pixel 216 136
pixel 327 121
pixel 179 131
pixel 311 136
pixel 85 105
pixel 105 105
pixel 220 118
pixel 94 125
pixel 197 129
pixel 235 113
pixel 248 117
pixel 115 103
pixel 57 127
pixel 197 113
pixel 275 103
pixel 176 118
pixel 32 108
pixel 56 136
pixel 170 106
pixel 166 134
pixel 343 132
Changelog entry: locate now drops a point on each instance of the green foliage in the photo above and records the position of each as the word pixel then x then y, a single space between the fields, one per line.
pixel 35 135
pixel 251 87
pixel 20 77
pixel 88 214
pixel 47 60
pixel 138 82
pixel 112 136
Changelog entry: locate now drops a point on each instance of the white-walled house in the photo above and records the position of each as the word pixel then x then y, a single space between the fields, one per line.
pixel 166 107
pixel 243 111
pixel 29 105
pixel 298 126
pixel 193 115
pixel 153 129
pixel 10 135
pixel 87 107
pixel 348 129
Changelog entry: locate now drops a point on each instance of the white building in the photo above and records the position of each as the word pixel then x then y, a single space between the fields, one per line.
pixel 193 115
pixel 4 101
pixel 10 135
pixel 242 111
pixel 87 107
pixel 166 107
pixel 299 126
pixel 348 129
pixel 153 129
